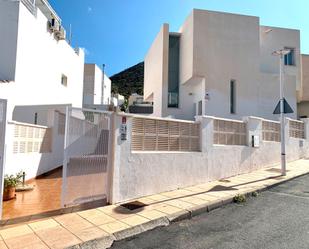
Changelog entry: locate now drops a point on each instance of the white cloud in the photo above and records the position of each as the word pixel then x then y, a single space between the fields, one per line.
pixel 89 9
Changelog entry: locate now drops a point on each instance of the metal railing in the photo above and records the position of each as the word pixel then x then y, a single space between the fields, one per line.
pixel 30 5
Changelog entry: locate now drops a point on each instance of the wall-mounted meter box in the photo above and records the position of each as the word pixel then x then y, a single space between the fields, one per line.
pixel 255 141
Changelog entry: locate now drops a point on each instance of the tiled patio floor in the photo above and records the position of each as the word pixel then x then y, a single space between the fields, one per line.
pixel 114 222
pixel 43 198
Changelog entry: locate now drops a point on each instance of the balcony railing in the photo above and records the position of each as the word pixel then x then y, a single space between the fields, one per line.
pixel 30 5
pixel 173 99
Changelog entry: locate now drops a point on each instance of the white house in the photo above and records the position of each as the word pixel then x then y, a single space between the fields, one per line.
pixel 38 67
pixel 221 64
pixel 97 87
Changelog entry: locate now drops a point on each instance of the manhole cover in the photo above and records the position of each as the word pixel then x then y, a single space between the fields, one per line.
pixel 133 205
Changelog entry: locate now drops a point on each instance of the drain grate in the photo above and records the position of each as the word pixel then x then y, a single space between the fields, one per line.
pixel 134 205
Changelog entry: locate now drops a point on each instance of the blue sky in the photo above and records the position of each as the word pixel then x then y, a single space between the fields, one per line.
pixel 119 32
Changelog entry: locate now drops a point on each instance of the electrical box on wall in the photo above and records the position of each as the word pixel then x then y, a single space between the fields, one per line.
pixel 255 141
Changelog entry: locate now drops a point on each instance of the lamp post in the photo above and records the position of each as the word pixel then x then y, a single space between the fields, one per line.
pixel 281 53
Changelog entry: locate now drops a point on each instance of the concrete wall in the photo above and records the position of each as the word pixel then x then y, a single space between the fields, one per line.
pixel 92 93
pixel 305 77
pixel 34 164
pixel 273 39
pixel 156 71
pixel 8 30
pixel 144 173
pixel 40 62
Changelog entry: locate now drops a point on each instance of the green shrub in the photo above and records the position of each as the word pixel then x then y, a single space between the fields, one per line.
pixel 12 180
pixel 239 198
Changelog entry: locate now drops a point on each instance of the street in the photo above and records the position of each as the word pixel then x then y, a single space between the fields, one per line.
pixel 276 219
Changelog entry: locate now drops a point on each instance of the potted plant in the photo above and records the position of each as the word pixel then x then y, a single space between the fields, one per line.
pixel 10 183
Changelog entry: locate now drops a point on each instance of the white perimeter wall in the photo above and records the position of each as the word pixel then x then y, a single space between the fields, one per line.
pixel 138 174
pixel 40 62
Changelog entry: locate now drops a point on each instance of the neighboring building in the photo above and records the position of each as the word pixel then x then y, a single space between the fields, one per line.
pixel 303 103
pixel 221 64
pixel 138 105
pixel 117 99
pixel 97 89
pixel 37 64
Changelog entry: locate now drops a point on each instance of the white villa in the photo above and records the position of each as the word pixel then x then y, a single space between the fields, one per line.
pixel 37 65
pixel 221 64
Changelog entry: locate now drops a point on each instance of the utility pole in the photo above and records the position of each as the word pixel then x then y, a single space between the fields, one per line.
pixel 281 53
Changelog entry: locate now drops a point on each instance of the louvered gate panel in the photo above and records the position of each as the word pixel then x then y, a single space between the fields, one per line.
pixel 162 135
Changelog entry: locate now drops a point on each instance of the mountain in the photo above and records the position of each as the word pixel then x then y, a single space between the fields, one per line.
pixel 128 81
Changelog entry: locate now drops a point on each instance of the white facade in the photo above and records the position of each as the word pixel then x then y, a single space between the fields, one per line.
pixel 36 68
pixel 216 49
pixel 97 90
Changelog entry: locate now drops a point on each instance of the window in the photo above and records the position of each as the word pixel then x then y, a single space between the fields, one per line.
pixel 36 118
pixel 64 80
pixel 232 97
pixel 200 108
pixel 289 59
pixel 173 71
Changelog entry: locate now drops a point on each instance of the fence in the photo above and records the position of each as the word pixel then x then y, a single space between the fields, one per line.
pixel 31 138
pixel 227 132
pixel 86 156
pixel 297 129
pixel 271 131
pixel 162 135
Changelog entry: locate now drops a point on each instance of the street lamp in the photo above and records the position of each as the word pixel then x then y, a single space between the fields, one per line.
pixel 281 53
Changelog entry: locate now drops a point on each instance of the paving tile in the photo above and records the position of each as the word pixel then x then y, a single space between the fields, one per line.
pixel 114 227
pixel 117 213
pixel 158 197
pixel 73 222
pixel 97 217
pixel 177 193
pixel 151 214
pixel 207 197
pixel 15 232
pixel 90 234
pixel 3 245
pixel 194 200
pixel 44 224
pixel 135 220
pixel 167 209
pixel 58 237
pixel 29 241
pixel 180 204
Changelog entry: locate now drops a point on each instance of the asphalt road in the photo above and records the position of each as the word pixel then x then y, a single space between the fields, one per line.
pixel 276 219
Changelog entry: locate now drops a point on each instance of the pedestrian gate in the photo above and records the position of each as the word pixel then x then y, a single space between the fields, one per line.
pixel 86 164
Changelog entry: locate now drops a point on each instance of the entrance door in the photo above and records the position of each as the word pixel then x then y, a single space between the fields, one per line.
pixel 86 156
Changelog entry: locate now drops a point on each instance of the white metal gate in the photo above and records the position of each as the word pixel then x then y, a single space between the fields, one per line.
pixel 86 163
pixel 3 121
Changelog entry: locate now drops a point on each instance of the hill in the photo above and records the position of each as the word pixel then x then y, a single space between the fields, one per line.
pixel 128 81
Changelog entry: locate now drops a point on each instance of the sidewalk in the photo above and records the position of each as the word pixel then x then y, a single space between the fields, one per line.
pixel 100 227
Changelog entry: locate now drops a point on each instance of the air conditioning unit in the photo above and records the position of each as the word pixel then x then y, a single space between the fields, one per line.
pixel 54 25
pixel 61 34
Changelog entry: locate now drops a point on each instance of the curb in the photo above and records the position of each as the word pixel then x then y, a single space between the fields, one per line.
pixel 107 241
